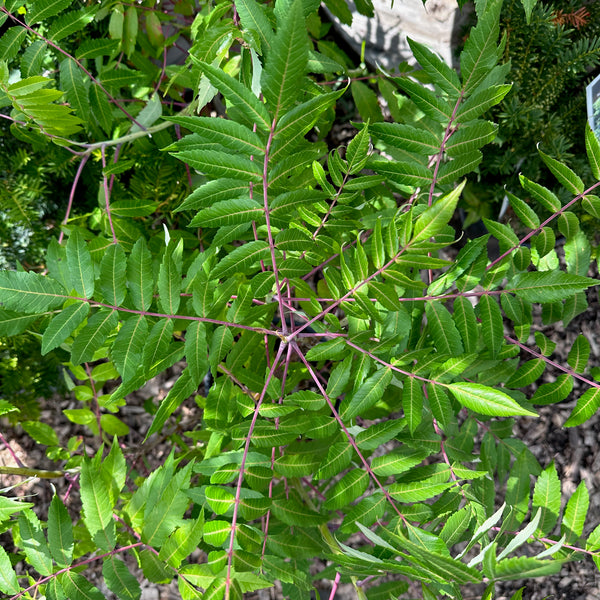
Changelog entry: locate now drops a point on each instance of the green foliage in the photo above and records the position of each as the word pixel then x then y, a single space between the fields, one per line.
pixel 363 385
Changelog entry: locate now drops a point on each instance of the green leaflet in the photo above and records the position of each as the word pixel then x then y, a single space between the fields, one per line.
pixel 367 394
pixel 433 106
pixel 491 323
pixel 227 133
pixel 443 75
pixel 9 583
pixel 241 259
pixel 71 79
pixel 547 496
pixel 244 104
pixel 487 401
pixel 443 330
pixel 42 9
pixel 34 543
pixel 128 346
pixel 60 533
pixel 436 217
pixel 140 279
pixel 412 402
pixel 229 212
pixel 575 513
pixel 92 336
pixel 587 405
pixel 566 176
pixel 579 354
pixel 286 63
pixel 97 508
pixel 253 17
pixel 79 263
pixel 77 586
pixel 196 351
pixel 481 53
pixel 218 164
pixel 119 579
pixel 29 292
pixel 549 286
pixel 113 282
pixel 347 489
pixel 481 101
pixel 169 278
pixel 63 324
pixel 404 136
pixel 184 387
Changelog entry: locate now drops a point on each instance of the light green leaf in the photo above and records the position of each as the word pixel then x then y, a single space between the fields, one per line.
pixel 218 164
pixel 77 587
pixel 577 254
pixel 14 323
pixel 398 461
pixel 526 214
pixel 229 212
pixel 418 491
pixel 444 332
pixel 43 9
pixel 347 489
pixel 579 354
pixel 139 275
pixel 293 125
pixel 452 170
pixel 246 107
pixel 286 63
pixel 433 106
pixel 183 541
pixel 466 323
pixel 169 280
pixel 480 53
pixel 440 405
pixel 403 173
pixel 551 393
pixel 60 533
pixel 524 567
pixel 29 292
pixel 9 583
pixel 101 108
pixel 232 135
pixel 196 351
pixel 564 174
pixel 97 508
pixel 486 400
pixel 119 579
pixel 481 101
pixel 592 146
pixel 241 259
pixel 527 373
pixel 444 76
pixel 367 394
pixel 411 139
pixel 334 349
pixel 113 280
pixel 11 42
pixel 157 344
pixel 471 136
pixel 543 195
pixel 575 513
pixel 184 387
pixel 549 286
pixel 79 263
pixel 41 432
pixel 412 402
pixel 71 80
pixel 587 405
pixel 547 496
pixel 34 543
pixel 63 324
pixel 437 216
pixel 491 323
pixel 129 345
pixel 92 336
pixel 253 18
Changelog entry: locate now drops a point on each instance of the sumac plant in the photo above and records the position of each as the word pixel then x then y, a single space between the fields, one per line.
pixel 362 374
